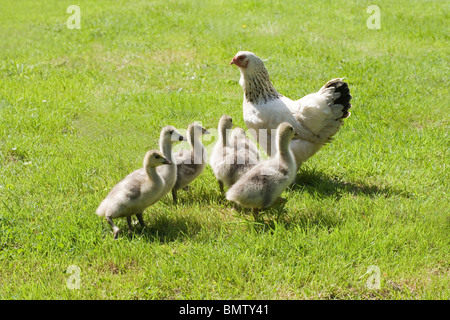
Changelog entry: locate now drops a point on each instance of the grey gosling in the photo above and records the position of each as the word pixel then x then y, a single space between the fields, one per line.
pixel 247 151
pixel 220 151
pixel 137 191
pixel 231 156
pixel 190 163
pixel 168 173
pixel 260 187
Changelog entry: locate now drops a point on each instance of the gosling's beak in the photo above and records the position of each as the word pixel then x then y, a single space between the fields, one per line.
pixel 205 131
pixel 296 135
pixel 166 161
pixel 233 61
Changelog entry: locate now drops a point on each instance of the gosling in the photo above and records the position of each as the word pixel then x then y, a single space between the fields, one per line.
pixel 168 173
pixel 190 163
pixel 220 153
pixel 231 156
pixel 137 191
pixel 260 187
pixel 247 151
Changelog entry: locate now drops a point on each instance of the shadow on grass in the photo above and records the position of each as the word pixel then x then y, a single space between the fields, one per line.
pixel 319 183
pixel 322 186
pixel 166 229
pixel 270 219
pixel 198 196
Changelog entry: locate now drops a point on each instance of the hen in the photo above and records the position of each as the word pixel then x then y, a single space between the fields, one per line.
pixel 316 117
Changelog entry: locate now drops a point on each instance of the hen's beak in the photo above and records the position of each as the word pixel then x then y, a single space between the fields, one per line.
pixel 233 61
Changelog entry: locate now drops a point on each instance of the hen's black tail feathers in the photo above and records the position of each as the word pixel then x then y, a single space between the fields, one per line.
pixel 344 98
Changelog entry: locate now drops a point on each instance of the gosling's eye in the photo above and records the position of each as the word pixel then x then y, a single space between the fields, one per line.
pixel 171 132
pixel 157 156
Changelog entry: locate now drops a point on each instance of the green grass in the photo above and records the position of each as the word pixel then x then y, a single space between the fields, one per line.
pixel 79 108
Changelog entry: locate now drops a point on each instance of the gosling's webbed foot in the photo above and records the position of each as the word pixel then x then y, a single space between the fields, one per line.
pixel 256 212
pixel 141 220
pixel 116 230
pixel 281 201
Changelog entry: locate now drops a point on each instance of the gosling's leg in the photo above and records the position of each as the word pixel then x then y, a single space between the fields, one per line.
pixel 255 212
pixel 113 226
pixel 130 227
pixel 174 196
pixel 281 201
pixel 141 220
pixel 294 183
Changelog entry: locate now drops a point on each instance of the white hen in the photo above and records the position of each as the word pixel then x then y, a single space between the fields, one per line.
pixel 315 117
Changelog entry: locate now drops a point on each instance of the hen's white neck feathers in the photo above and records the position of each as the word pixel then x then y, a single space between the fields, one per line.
pixel 256 83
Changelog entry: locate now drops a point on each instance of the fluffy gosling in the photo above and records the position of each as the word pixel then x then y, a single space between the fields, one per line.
pixel 232 156
pixel 260 187
pixel 190 163
pixel 137 191
pixel 168 173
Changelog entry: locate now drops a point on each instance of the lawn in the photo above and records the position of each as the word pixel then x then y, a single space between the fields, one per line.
pixel 80 107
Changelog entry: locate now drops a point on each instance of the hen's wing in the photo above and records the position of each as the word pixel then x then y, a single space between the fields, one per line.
pixel 322 112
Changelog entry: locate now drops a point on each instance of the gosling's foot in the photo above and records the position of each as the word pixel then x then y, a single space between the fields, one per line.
pixel 281 201
pixel 174 196
pixel 256 213
pixel 141 220
pixel 116 231
pixel 130 226
pixel 113 226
